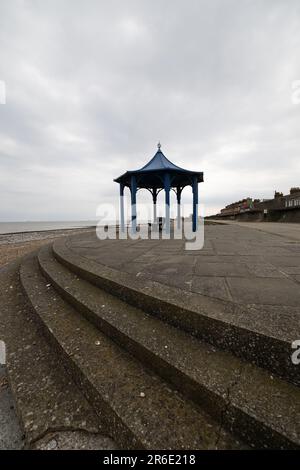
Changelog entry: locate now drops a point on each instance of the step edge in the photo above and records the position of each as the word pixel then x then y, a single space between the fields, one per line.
pixel 84 384
pixel 131 442
pixel 166 370
pixel 217 332
pixel 30 435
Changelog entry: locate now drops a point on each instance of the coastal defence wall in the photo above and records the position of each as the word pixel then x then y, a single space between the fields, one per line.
pixel 284 215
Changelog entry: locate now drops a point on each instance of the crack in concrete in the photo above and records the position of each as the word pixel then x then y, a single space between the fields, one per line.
pixel 228 402
pixel 33 444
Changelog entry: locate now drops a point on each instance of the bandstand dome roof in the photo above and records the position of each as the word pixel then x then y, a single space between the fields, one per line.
pixel 151 174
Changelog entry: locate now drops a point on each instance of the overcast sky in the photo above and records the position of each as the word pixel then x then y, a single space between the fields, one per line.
pixel 91 86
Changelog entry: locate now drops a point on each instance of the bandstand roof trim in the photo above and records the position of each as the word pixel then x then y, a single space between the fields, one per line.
pixel 150 174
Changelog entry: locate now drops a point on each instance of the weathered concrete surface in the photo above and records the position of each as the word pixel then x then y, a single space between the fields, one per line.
pixel 200 371
pixel 45 397
pixel 139 409
pixel 261 333
pixel 74 440
pixel 236 263
pixel 11 436
pixel 290 231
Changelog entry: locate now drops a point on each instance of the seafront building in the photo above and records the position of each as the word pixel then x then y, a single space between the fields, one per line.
pixel 281 208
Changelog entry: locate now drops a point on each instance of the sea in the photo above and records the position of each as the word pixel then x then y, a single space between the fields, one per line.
pixel 20 227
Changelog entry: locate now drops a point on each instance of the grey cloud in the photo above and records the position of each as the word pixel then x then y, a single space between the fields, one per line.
pixel 91 87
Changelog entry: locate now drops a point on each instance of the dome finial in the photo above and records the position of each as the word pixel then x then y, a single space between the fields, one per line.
pixel 159 146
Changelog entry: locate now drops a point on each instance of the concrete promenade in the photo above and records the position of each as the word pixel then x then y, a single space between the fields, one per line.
pixel 156 338
pixel 287 230
pixel 246 263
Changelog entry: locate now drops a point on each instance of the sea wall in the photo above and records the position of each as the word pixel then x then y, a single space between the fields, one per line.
pixel 284 215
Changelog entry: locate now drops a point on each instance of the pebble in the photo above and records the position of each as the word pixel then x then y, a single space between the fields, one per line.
pixel 51 445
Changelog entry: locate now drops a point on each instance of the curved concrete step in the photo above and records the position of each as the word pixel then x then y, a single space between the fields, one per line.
pixel 225 325
pixel 231 390
pixel 47 401
pixel 139 409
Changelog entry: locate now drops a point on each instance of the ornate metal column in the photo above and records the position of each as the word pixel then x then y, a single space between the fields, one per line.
pixel 178 195
pixel 167 187
pixel 195 203
pixel 154 196
pixel 133 189
pixel 122 217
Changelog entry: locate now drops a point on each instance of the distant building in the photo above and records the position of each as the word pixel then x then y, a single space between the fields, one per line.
pixel 280 201
pixel 293 199
pixel 278 208
pixel 240 206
